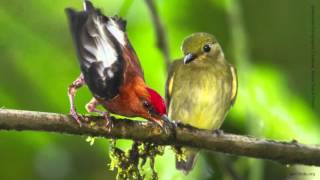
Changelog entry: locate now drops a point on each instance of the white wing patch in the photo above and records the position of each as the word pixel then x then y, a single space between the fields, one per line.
pixel 110 73
pixel 104 50
pixel 115 30
pixel 85 6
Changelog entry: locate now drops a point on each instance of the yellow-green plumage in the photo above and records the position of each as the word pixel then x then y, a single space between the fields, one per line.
pixel 201 92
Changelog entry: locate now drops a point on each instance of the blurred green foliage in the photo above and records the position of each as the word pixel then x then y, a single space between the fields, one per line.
pixel 268 41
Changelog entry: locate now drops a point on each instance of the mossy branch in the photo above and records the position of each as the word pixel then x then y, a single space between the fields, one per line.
pixel 283 152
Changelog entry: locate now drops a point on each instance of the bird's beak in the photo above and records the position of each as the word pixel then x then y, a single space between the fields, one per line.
pixel 188 58
pixel 158 121
pixel 161 120
pixel 165 118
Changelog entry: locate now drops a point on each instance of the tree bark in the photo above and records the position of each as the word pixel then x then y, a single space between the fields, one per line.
pixel 181 135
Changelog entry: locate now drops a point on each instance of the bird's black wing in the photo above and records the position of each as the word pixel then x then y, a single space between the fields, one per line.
pixel 98 40
pixel 170 79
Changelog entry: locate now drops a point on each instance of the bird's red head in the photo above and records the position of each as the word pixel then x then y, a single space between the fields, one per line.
pixel 157 103
pixel 150 106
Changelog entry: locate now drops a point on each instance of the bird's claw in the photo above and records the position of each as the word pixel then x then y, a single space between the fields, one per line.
pixel 76 116
pixel 174 123
pixel 108 124
pixel 171 124
pixel 219 132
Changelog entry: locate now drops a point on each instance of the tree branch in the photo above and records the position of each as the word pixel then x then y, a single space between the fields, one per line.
pixel 283 152
pixel 160 33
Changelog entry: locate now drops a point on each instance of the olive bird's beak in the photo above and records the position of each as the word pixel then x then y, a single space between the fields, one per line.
pixel 188 58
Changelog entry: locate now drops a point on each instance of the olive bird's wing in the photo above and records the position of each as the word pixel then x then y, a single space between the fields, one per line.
pixel 234 90
pixel 170 80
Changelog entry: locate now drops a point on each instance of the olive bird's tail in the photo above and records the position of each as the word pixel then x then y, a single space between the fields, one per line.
pixel 186 163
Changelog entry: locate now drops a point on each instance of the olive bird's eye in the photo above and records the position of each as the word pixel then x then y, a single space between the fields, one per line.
pixel 206 48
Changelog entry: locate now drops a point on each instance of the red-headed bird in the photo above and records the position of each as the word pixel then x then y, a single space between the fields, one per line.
pixel 110 68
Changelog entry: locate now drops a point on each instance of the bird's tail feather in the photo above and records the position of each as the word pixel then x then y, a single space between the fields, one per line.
pixel 187 163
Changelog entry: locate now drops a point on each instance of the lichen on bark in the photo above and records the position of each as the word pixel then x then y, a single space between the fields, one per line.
pixel 132 163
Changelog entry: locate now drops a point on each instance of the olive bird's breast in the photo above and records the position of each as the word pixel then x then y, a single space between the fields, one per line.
pixel 201 95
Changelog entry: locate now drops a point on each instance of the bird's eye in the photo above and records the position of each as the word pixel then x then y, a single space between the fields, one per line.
pixel 146 104
pixel 206 48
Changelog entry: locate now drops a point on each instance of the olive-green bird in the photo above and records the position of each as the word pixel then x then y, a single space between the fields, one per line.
pixel 200 89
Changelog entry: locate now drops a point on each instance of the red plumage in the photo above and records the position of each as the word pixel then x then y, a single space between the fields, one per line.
pixel 157 101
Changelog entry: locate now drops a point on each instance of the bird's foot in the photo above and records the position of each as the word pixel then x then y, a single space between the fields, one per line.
pixel 92 107
pixel 108 120
pixel 76 116
pixel 79 82
pixel 219 132
pixel 172 124
pixel 177 122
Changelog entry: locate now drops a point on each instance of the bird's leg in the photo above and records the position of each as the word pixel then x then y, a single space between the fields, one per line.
pixel 91 107
pixel 79 82
pixel 219 132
